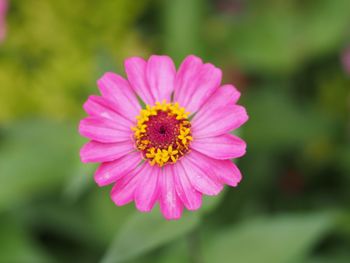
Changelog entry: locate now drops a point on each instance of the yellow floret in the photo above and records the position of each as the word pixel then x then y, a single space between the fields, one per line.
pixel 167 155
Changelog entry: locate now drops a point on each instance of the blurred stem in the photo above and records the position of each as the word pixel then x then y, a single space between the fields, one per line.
pixel 193 241
pixel 182 22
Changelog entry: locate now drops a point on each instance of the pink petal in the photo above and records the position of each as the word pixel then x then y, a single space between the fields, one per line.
pixel 200 83
pixel 104 130
pixel 223 97
pixel 116 89
pixel 224 170
pixel 170 204
pixel 3 8
pixel 228 172
pixel 207 82
pixel 191 198
pixel 220 121
pixel 147 191
pixel 187 72
pixel 135 69
pixel 110 172
pixel 123 191
pixel 225 146
pixel 3 13
pixel 201 174
pixel 104 152
pixel 161 76
pixel 230 92
pixel 100 107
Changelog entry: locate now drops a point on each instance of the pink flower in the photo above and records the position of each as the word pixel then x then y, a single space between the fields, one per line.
pixel 3 12
pixel 176 148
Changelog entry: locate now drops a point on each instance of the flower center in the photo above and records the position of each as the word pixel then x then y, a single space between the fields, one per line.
pixel 163 133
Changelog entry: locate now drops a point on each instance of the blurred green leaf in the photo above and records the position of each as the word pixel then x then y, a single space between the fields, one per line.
pixel 35 157
pixel 174 252
pixel 17 246
pixel 279 239
pixel 105 217
pixel 278 37
pixel 336 258
pixel 211 202
pixel 145 232
pixel 55 218
pixel 79 182
pixel 277 120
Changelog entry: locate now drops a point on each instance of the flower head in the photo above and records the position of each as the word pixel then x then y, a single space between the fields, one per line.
pixel 175 148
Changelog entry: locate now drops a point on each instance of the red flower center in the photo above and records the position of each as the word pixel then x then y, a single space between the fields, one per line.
pixel 162 130
pixel 163 133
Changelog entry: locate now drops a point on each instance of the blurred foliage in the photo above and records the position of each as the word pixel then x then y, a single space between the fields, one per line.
pixel 278 36
pixel 48 59
pixel 16 245
pixel 288 238
pixel 42 150
pixel 145 232
pixel 284 56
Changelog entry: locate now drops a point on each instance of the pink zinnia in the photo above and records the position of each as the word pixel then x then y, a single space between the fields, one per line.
pixel 3 12
pixel 175 148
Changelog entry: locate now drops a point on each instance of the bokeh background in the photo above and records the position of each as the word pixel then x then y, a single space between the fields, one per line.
pixel 289 58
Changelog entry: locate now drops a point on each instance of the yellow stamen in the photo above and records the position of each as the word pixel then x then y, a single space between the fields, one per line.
pixel 155 153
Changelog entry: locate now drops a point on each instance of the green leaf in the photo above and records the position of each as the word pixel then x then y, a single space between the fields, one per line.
pixel 79 183
pixel 145 232
pixel 105 218
pixel 55 218
pixel 35 157
pixel 339 257
pixel 279 239
pixel 211 202
pixel 275 116
pixel 178 251
pixel 280 36
pixel 17 246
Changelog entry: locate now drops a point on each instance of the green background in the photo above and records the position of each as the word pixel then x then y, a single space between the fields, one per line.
pixel 283 55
